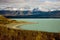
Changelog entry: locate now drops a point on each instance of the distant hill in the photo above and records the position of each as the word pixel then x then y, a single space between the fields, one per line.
pixel 32 14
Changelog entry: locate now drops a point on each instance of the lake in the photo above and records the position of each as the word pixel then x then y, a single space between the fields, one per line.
pixel 48 25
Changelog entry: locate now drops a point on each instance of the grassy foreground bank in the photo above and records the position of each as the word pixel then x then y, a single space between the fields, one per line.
pixel 7 33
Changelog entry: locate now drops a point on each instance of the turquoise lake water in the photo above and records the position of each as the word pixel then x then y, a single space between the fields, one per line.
pixel 48 25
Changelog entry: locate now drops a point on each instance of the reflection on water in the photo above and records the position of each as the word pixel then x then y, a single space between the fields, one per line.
pixel 50 25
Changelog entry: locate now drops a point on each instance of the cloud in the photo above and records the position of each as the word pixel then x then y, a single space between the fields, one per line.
pixel 50 5
pixel 12 1
pixel 42 4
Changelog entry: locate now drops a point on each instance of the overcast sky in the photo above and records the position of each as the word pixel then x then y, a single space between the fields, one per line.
pixel 42 4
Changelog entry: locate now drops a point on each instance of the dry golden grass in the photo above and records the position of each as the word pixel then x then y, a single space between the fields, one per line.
pixel 18 34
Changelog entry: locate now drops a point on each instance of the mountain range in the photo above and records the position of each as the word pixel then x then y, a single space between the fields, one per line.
pixel 35 13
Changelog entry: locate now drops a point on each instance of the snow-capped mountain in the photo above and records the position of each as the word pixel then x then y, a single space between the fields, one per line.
pixel 10 8
pixel 28 9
